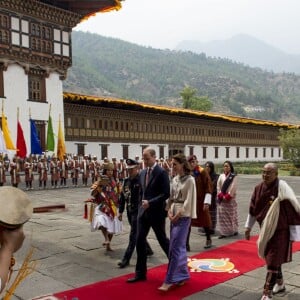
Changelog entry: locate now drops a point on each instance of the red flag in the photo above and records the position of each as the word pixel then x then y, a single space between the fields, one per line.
pixel 21 144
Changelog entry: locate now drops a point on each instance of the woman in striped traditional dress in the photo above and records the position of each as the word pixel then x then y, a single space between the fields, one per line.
pixel 227 204
pixel 182 207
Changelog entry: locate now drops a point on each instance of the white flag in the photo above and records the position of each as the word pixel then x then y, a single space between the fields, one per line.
pixel 2 143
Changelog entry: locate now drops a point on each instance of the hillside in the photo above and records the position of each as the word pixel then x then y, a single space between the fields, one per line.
pixel 248 50
pixel 111 67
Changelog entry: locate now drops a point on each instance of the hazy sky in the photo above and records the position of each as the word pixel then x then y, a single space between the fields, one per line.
pixel 164 23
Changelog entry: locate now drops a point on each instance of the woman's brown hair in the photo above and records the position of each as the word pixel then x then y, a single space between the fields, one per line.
pixel 181 158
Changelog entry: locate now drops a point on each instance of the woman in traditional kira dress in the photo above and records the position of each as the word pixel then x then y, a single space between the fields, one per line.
pixel 210 168
pixel 227 205
pixel 182 207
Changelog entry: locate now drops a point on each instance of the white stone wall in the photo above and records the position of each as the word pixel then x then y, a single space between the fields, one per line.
pixel 16 95
pixel 115 150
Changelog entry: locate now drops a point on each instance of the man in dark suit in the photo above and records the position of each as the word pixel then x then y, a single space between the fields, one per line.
pixel 155 190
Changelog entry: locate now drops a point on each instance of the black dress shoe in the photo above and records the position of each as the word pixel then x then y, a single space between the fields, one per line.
pixel 150 252
pixel 208 244
pixel 222 237
pixel 136 279
pixel 124 263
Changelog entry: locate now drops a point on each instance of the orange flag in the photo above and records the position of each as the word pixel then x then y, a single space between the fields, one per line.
pixel 6 134
pixel 61 148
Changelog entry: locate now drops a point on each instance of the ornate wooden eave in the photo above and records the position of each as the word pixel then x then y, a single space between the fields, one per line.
pixel 66 13
pixel 166 110
pixel 42 11
pixel 85 8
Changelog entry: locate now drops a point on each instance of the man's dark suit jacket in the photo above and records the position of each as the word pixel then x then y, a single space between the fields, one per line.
pixel 156 192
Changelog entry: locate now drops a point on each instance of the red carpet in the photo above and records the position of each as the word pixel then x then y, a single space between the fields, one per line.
pixel 226 262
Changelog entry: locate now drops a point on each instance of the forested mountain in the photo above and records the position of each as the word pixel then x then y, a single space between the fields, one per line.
pixel 246 49
pixel 111 67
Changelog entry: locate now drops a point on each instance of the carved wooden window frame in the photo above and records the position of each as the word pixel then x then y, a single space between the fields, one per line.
pixel 41 38
pixel 37 85
pixel 237 152
pixel 247 152
pixel 1 81
pixel 216 152
pixel 81 148
pixel 104 150
pixel 227 150
pixel 125 151
pixel 4 29
pixel 204 152
pixel 161 150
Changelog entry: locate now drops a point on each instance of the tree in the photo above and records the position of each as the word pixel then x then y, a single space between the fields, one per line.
pixel 201 103
pixel 187 95
pixel 191 101
pixel 290 143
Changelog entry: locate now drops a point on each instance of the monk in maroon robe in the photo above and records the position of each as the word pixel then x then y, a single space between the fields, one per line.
pixel 275 207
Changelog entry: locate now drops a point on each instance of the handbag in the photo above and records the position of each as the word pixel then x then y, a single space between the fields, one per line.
pixel 295 233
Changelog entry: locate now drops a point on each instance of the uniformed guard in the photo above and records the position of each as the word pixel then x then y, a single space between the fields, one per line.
pixel 129 197
pixel 122 170
pixel 85 170
pixel 43 172
pixel 95 169
pixel 54 171
pixel 2 172
pixel 63 167
pixel 15 169
pixel 75 169
pixel 28 169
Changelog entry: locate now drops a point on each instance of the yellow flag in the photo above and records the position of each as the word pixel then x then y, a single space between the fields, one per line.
pixel 61 148
pixel 6 134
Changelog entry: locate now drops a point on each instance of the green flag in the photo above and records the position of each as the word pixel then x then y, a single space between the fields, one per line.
pixel 50 136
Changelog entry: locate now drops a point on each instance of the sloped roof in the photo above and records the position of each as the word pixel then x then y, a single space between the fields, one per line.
pixel 152 108
pixel 85 8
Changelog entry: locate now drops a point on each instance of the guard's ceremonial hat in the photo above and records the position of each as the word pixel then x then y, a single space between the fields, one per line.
pixel 16 207
pixel 131 163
